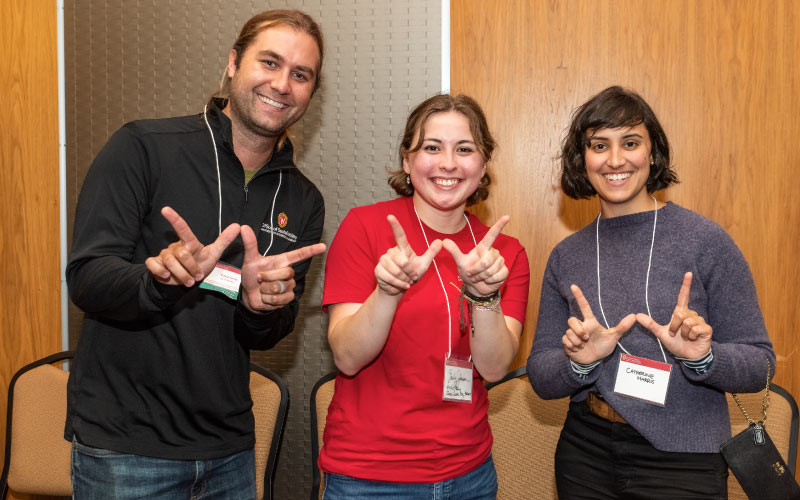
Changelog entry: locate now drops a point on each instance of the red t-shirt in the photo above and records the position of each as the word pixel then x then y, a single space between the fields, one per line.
pixel 389 422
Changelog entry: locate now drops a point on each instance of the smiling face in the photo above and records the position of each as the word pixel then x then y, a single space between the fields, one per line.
pixel 273 83
pixel 618 166
pixel 447 168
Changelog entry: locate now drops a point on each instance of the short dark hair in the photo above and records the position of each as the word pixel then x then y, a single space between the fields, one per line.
pixel 614 107
pixel 442 103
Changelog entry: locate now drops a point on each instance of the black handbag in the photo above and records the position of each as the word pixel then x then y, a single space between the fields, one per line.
pixel 755 461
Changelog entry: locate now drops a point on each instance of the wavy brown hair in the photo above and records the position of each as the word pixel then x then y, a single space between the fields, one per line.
pixel 614 107
pixel 415 126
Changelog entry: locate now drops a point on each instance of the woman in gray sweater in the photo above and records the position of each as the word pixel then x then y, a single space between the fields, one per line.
pixel 648 315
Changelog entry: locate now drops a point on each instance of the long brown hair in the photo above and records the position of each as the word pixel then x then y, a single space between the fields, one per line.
pixel 415 125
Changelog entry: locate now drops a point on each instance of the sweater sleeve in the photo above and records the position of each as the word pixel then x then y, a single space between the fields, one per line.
pixel 549 369
pixel 102 277
pixel 262 331
pixel 742 349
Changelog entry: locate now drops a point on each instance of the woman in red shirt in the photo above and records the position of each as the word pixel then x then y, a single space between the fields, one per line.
pixel 425 303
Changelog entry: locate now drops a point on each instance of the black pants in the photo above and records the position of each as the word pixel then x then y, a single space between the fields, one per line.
pixel 598 460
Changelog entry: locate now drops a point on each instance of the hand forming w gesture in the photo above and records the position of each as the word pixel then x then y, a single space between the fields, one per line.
pixel 587 341
pixel 187 261
pixel 268 282
pixel 482 269
pixel 687 335
pixel 400 267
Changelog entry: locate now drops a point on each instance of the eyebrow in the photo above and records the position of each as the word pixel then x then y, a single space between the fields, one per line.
pixel 280 58
pixel 626 136
pixel 433 139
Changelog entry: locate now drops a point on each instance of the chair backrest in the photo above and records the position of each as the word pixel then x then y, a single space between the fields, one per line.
pixel 526 429
pixel 270 396
pixel 781 424
pixel 37 457
pixel 321 396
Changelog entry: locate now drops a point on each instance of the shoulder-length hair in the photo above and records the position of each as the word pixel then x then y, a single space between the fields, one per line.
pixel 415 125
pixel 614 107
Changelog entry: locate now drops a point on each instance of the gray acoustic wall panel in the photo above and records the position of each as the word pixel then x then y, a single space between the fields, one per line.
pixel 143 59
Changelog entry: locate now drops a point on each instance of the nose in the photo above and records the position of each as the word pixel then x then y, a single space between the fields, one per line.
pixel 616 157
pixel 280 82
pixel 447 160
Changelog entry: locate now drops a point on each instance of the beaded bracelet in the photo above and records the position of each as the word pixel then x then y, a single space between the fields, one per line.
pixel 487 303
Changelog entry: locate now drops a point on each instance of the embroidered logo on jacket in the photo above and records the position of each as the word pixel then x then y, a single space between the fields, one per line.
pixel 282 219
pixel 278 231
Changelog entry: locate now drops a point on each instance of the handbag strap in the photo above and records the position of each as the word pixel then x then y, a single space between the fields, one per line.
pixel 764 403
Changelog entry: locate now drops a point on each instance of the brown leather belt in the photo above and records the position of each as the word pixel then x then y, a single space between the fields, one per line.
pixel 602 409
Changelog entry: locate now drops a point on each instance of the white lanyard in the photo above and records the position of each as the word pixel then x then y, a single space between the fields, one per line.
pixel 219 188
pixel 647 281
pixel 441 282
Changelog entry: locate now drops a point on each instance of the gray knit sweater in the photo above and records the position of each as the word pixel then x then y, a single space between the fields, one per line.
pixel 695 416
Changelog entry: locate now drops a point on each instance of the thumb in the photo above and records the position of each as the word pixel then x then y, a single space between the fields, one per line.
pixel 451 247
pixel 251 252
pixel 625 324
pixel 224 239
pixel 649 323
pixel 430 253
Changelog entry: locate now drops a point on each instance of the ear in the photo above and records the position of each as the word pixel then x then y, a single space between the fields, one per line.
pixel 231 63
pixel 483 170
pixel 406 168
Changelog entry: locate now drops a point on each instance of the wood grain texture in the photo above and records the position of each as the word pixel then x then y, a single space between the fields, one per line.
pixel 30 319
pixel 723 77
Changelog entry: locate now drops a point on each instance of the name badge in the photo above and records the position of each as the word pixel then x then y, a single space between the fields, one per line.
pixel 643 379
pixel 457 380
pixel 224 279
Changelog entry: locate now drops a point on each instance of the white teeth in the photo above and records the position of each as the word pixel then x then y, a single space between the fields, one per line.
pixel 267 100
pixel 446 182
pixel 617 177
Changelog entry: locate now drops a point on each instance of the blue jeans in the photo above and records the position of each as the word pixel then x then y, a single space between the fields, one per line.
pixel 480 484
pixel 99 474
pixel 600 460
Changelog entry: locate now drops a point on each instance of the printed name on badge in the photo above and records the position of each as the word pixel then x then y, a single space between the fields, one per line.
pixel 224 279
pixel 643 378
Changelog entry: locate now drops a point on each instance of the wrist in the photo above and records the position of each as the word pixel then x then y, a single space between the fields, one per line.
pixel 474 297
pixel 700 365
pixel 489 302
pixel 582 370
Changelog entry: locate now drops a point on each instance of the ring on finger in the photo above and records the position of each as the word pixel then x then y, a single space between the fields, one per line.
pixel 283 287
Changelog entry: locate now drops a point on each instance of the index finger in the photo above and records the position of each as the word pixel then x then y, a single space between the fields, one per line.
pixel 583 304
pixel 494 231
pixel 180 226
pixel 399 234
pixel 686 287
pixel 295 256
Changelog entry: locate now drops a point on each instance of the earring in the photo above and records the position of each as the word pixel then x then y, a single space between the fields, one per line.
pixel 408 179
pixel 652 161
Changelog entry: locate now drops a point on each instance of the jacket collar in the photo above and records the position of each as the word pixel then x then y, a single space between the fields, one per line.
pixel 281 158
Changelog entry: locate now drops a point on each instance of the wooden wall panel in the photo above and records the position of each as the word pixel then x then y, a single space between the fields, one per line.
pixel 723 77
pixel 30 300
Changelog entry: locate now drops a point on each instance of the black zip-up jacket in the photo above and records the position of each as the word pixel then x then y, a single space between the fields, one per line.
pixel 163 370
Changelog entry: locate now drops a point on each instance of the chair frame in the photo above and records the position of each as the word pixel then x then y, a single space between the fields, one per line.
pixel 47 360
pixel 522 370
pixel 316 475
pixel 277 433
